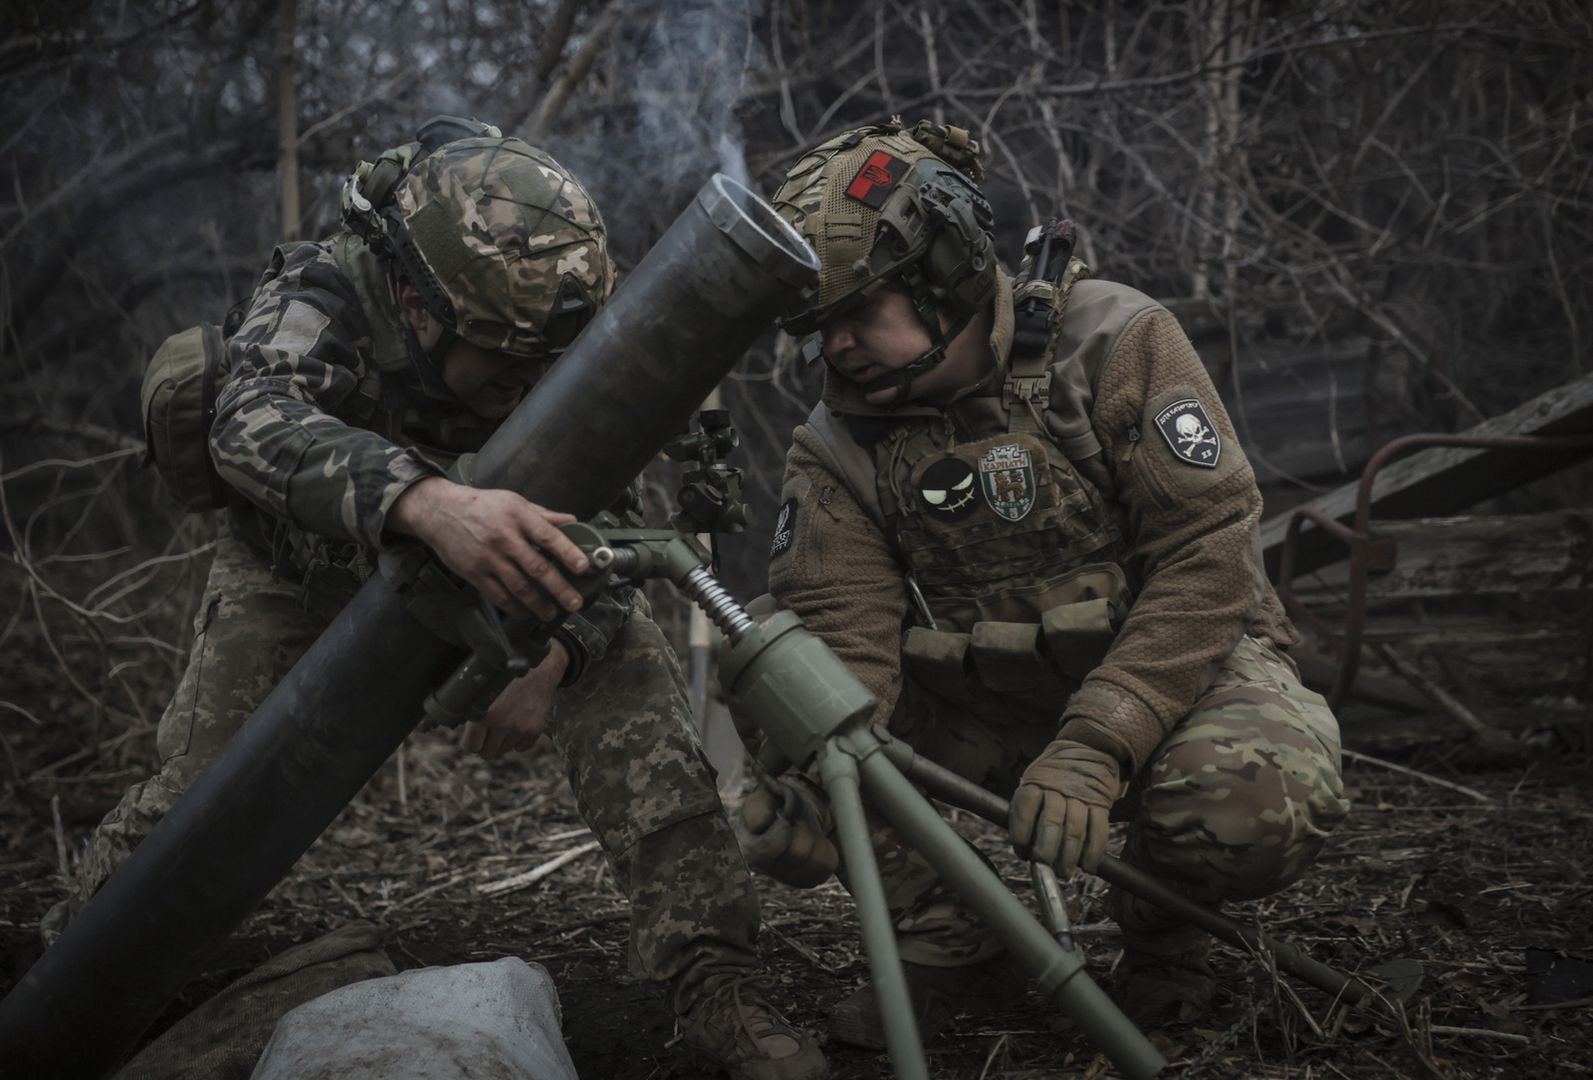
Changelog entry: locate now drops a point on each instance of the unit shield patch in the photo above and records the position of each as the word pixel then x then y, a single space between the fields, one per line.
pixel 1188 430
pixel 875 179
pixel 1007 477
pixel 947 488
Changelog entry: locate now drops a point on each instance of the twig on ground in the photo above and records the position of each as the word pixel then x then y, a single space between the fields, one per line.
pixel 1487 737
pixel 994 1050
pixel 348 898
pixel 582 924
pixel 415 898
pixel 60 838
pixel 1483 1033
pixel 1368 759
pixel 804 952
pixel 535 874
pixel 89 751
pixel 14 707
pixel 1578 1003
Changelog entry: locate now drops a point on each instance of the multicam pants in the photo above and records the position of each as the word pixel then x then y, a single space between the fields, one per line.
pixel 624 730
pixel 1235 803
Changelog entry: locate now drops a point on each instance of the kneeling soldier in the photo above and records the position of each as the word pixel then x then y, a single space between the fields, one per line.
pixel 1067 530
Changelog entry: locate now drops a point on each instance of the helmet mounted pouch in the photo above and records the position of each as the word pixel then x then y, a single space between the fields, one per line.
pixel 446 129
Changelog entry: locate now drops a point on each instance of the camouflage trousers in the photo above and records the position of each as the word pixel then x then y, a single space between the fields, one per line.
pixel 1235 803
pixel 624 730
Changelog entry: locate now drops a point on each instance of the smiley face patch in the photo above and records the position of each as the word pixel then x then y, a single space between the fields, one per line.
pixel 947 489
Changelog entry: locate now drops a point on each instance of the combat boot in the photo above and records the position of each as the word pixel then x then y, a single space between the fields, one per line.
pixel 1155 987
pixel 939 994
pixel 1165 973
pixel 734 1028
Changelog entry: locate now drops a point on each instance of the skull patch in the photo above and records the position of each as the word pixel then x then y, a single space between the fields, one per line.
pixel 1190 434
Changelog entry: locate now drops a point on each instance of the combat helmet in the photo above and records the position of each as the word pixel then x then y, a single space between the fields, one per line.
pixel 503 244
pixel 884 205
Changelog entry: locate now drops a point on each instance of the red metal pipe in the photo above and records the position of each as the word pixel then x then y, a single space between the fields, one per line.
pixel 1362 547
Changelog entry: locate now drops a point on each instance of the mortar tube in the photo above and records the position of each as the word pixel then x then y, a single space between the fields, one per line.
pixel 715 281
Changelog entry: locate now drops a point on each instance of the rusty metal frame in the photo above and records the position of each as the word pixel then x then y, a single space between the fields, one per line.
pixel 1368 555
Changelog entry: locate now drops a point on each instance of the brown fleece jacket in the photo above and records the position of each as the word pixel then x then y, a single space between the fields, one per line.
pixel 1192 532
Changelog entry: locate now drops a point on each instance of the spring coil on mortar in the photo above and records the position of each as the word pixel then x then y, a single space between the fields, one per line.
pixel 731 618
pixel 701 586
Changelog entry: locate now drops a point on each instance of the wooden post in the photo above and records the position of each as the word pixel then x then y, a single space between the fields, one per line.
pixel 553 102
pixel 288 119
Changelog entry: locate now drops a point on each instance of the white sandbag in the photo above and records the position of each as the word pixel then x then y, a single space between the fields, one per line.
pixel 498 1020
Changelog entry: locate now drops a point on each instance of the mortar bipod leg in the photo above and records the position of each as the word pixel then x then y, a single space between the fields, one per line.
pixel 957 791
pixel 1053 903
pixel 1058 972
pixel 839 774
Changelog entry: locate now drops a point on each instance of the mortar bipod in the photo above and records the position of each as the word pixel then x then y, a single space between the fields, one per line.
pixel 814 712
pixel 1401 976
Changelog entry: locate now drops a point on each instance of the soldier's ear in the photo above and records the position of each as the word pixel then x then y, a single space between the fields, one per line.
pixel 413 308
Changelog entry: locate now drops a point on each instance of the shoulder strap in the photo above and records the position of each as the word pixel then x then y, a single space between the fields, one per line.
pixel 853 463
pixel 1026 394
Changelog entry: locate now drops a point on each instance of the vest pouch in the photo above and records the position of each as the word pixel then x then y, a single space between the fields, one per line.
pixel 938 659
pixel 1078 635
pixel 178 406
pixel 1007 656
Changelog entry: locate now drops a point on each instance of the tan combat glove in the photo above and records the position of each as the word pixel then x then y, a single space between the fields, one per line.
pixel 1060 812
pixel 780 837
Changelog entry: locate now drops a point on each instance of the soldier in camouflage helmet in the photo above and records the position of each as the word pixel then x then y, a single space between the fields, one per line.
pixel 1067 529
pixel 361 368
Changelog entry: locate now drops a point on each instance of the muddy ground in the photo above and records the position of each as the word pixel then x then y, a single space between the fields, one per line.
pixel 1491 888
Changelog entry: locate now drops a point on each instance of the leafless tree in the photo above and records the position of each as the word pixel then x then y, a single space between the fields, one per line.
pixel 1397 192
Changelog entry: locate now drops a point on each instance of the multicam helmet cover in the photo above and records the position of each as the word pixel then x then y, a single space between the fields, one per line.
pixel 881 205
pixel 514 249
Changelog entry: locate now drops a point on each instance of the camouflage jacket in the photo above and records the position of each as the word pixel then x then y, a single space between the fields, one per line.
pixel 1128 485
pixel 321 440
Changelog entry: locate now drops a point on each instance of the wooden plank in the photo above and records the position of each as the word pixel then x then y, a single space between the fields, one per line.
pixel 1491 636
pixel 1481 556
pixel 1473 556
pixel 1421 632
pixel 1445 480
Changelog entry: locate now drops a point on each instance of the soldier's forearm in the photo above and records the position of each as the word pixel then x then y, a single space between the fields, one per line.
pixel 415 511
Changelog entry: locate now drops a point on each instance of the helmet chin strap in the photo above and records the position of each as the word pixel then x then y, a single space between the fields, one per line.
pixel 427 364
pixel 901 379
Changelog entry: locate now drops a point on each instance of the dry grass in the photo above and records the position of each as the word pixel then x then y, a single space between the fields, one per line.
pixel 1482 892
pixel 1467 887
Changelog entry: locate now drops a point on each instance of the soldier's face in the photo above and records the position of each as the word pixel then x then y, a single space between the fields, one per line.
pixel 884 335
pixel 489 383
